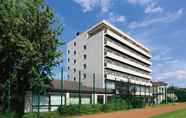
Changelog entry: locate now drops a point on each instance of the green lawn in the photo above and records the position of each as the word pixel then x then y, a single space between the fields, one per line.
pixel 175 114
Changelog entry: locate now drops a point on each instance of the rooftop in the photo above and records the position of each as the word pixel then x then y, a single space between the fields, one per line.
pixel 159 83
pixel 104 24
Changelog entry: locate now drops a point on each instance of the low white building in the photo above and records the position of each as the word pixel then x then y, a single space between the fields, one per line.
pixel 159 90
pixel 70 95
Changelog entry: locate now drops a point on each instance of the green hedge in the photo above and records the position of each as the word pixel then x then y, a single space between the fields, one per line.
pixel 137 102
pixel 42 115
pixel 113 105
pixel 169 100
pixel 84 109
pixel 7 115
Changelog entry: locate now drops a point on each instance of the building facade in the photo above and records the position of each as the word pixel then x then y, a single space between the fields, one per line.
pixel 159 90
pixel 55 97
pixel 112 56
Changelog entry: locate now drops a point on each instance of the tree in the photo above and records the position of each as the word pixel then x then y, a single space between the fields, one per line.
pixel 29 48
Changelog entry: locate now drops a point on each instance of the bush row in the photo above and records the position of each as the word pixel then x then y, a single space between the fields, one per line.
pixel 68 110
pixel 113 105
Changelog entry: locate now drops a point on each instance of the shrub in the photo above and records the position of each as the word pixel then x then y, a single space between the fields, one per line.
pixel 138 102
pixel 115 104
pixel 42 115
pixel 7 115
pixel 169 100
pixel 84 109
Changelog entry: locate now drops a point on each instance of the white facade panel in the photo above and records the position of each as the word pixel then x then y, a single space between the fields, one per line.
pixel 108 43
pixel 127 43
pixel 119 58
pixel 114 67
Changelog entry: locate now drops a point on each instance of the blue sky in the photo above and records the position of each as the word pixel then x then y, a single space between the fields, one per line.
pixel 158 24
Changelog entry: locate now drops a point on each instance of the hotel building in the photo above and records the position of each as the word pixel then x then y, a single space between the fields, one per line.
pixel 112 55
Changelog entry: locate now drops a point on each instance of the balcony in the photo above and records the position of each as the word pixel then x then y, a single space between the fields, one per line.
pixel 126 61
pixel 127 43
pixel 122 69
pixel 127 52
pixel 120 78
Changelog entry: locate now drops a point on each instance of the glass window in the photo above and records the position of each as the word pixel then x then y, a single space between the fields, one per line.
pixel 84 75
pixel 74 61
pixel 68 60
pixel 74 43
pixel 85 56
pixel 84 66
pixel 68 51
pixel 74 70
pixel 74 52
pixel 84 47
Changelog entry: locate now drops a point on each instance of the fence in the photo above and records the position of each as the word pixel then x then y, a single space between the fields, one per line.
pixel 84 88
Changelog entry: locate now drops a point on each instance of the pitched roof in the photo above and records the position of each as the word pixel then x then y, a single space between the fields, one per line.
pixel 73 86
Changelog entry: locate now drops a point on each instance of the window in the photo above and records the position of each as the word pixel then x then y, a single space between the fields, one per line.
pixel 74 43
pixel 74 52
pixel 84 56
pixel 74 61
pixel 68 60
pixel 74 78
pixel 68 51
pixel 74 70
pixel 68 68
pixel 84 75
pixel 84 47
pixel 84 66
pixel 68 76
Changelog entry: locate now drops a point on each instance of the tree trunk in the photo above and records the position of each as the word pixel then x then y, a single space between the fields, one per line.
pixel 18 102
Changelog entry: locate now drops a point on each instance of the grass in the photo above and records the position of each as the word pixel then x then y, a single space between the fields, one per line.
pixel 175 114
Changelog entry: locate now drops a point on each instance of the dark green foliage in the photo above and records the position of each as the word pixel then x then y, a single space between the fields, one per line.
pixel 137 102
pixel 169 100
pixel 29 41
pixel 69 110
pixel 7 115
pixel 84 109
pixel 115 104
pixel 42 115
pixel 179 92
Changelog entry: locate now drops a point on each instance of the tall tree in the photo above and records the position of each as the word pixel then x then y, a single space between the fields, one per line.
pixel 29 41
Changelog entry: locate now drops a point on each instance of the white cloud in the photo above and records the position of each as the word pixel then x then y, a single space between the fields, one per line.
pixel 89 5
pixel 113 18
pixel 105 5
pixel 153 8
pixel 173 72
pixel 161 54
pixel 150 6
pixel 167 18
pixel 181 73
pixel 141 2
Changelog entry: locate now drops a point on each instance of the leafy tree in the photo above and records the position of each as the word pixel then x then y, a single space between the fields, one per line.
pixel 29 41
pixel 179 92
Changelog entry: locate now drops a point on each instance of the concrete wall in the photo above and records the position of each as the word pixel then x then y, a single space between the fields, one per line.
pixel 94 58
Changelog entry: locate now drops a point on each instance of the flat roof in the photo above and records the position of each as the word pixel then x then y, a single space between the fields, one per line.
pixel 107 25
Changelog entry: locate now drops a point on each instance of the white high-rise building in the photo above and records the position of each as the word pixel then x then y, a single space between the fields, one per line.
pixel 112 55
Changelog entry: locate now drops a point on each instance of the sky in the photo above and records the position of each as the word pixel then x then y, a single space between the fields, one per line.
pixel 160 25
